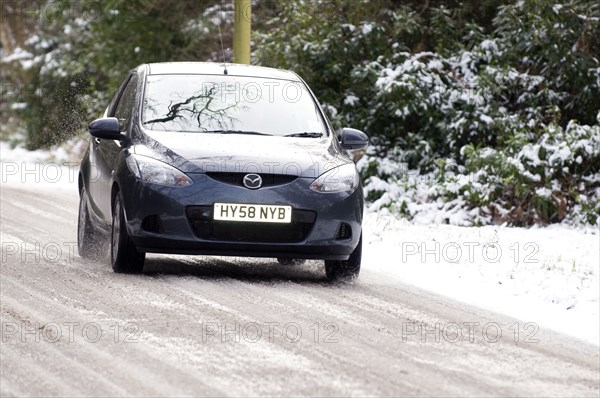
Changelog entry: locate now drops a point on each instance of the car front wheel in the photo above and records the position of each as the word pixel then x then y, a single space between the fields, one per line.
pixel 125 258
pixel 345 270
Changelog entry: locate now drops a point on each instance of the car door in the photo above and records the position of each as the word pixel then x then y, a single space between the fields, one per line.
pixel 106 151
pixel 95 183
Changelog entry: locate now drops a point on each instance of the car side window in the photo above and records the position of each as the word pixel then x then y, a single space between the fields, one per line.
pixel 124 109
pixel 111 105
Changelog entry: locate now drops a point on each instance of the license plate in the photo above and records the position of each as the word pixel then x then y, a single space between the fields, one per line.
pixel 252 213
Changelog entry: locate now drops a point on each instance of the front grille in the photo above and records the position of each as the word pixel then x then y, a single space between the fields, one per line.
pixel 269 180
pixel 203 225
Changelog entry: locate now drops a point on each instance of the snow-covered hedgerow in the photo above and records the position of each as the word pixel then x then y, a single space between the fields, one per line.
pixel 468 125
pixel 477 158
pixel 554 179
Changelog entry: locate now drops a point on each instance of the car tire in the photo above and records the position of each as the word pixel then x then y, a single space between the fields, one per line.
pixel 90 244
pixel 345 270
pixel 124 256
pixel 290 261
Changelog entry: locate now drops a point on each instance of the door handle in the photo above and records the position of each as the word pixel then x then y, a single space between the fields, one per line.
pixel 97 140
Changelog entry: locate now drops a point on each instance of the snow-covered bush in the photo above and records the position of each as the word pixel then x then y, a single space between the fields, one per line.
pixel 478 112
pixel 456 110
pixel 559 41
pixel 554 179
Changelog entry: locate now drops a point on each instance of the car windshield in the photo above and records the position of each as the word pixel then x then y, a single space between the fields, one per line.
pixel 230 105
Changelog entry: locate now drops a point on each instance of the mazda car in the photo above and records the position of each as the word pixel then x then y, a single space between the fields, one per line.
pixel 220 159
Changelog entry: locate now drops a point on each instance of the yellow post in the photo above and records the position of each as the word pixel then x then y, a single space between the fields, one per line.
pixel 241 31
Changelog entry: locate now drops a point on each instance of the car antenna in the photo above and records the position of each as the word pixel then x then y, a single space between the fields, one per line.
pixel 222 50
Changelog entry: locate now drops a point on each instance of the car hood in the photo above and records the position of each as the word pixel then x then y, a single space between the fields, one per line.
pixel 202 153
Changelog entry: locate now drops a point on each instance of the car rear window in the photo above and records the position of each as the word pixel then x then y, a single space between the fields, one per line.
pixel 208 103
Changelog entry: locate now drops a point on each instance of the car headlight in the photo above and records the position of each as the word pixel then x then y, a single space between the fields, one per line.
pixel 156 172
pixel 340 179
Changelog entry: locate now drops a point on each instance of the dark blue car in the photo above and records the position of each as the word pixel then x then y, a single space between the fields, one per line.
pixel 213 159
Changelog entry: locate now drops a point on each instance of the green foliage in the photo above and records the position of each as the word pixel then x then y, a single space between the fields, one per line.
pixel 457 91
pixel 543 181
pixel 82 50
pixel 489 107
pixel 558 41
pixel 554 178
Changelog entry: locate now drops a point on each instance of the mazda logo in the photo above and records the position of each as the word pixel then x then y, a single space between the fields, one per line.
pixel 252 181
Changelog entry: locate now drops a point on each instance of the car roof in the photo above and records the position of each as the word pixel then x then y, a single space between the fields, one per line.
pixel 214 68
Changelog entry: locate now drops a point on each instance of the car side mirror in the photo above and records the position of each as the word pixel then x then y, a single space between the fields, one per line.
pixel 106 128
pixel 353 139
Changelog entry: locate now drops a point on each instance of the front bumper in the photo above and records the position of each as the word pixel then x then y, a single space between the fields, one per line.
pixel 179 220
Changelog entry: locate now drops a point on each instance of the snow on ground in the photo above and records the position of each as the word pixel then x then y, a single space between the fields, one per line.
pixel 54 169
pixel 548 276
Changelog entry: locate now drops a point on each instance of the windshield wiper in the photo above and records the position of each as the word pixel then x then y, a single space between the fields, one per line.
pixel 305 134
pixel 235 132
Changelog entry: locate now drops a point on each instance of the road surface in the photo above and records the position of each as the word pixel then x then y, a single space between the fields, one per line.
pixel 207 326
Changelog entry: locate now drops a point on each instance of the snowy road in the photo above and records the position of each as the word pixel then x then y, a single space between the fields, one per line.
pixel 208 326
